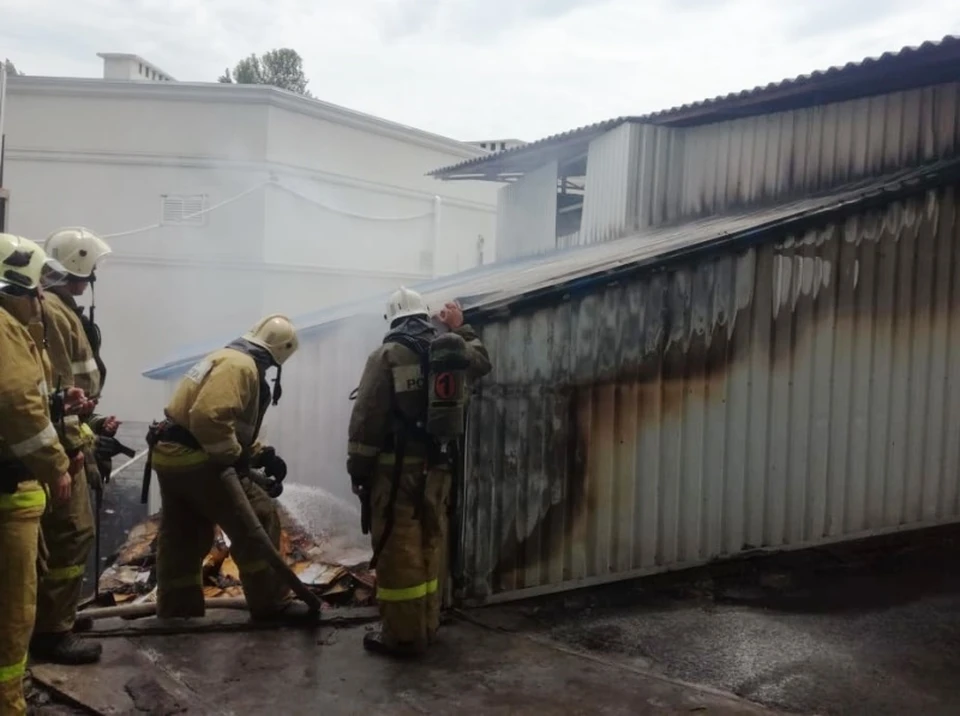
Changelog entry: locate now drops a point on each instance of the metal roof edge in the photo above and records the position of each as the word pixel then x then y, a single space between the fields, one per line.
pixel 854 197
pixel 898 186
pixel 761 98
pixel 583 133
pixel 710 110
pixel 319 320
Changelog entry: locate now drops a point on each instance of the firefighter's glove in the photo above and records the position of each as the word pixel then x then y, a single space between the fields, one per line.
pixel 275 467
pixel 271 463
pixel 275 489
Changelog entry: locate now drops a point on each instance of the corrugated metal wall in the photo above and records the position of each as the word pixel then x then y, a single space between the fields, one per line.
pixel 608 204
pixel 782 396
pixel 788 154
pixel 527 215
pixel 661 153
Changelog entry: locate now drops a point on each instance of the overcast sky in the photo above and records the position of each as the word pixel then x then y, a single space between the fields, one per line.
pixel 475 69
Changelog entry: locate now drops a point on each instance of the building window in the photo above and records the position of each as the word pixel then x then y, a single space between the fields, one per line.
pixel 183 209
pixel 503 145
pixel 141 68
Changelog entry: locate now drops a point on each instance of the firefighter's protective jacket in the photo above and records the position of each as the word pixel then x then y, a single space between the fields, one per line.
pixel 27 436
pixel 83 364
pixel 394 370
pixel 219 402
pixel 73 361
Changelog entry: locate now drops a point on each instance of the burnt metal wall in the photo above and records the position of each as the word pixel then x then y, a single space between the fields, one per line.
pixel 780 396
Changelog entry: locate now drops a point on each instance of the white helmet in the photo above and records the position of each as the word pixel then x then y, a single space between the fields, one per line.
pixel 276 335
pixel 405 303
pixel 21 262
pixel 76 249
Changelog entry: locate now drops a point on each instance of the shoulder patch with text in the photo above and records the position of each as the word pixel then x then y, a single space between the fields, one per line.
pixel 199 371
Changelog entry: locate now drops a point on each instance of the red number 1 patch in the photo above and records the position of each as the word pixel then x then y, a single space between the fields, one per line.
pixel 444 386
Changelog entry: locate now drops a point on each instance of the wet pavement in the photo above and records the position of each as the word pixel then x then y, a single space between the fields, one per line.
pixel 873 630
pixel 473 670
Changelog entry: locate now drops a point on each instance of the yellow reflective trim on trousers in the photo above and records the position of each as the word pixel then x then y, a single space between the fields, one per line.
pixel 13 671
pixel 64 574
pixel 187 459
pixel 390 459
pixel 23 500
pixel 408 594
pixel 362 450
pixel 193 580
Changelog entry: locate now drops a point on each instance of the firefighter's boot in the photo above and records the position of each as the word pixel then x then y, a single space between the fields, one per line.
pixel 374 642
pixel 82 624
pixel 64 648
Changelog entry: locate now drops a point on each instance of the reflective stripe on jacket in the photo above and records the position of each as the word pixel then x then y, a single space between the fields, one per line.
pixel 72 355
pixel 72 359
pixel 26 433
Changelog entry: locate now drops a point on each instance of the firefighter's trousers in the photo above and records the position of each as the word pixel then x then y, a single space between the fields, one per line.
pixel 20 514
pixel 410 565
pixel 68 531
pixel 195 500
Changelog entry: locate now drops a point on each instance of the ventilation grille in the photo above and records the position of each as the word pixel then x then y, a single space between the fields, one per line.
pixel 183 209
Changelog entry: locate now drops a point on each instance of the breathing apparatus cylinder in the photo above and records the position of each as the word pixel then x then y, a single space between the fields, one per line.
pixel 447 388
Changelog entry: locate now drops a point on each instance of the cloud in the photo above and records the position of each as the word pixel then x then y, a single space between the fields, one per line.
pixel 481 68
pixel 827 17
pixel 473 21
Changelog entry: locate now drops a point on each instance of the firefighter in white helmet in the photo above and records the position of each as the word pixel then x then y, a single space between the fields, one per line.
pixel 207 442
pixel 68 528
pixel 30 457
pixel 401 466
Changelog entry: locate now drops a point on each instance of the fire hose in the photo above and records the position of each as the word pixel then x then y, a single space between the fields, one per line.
pixel 261 539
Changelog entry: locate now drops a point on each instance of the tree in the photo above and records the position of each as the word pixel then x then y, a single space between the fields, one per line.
pixel 281 68
pixel 11 68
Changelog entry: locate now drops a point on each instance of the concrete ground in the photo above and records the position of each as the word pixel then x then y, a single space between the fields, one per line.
pixel 870 629
pixel 474 670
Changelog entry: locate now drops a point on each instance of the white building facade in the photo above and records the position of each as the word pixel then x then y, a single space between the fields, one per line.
pixel 224 202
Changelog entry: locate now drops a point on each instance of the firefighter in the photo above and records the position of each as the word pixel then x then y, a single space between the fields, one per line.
pixel 206 444
pixel 396 464
pixel 68 528
pixel 30 457
pixel 79 251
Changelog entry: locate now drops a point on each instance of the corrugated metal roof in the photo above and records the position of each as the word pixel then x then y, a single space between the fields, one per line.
pixel 498 288
pixel 568 272
pixel 928 63
pixel 530 151
pixel 946 49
